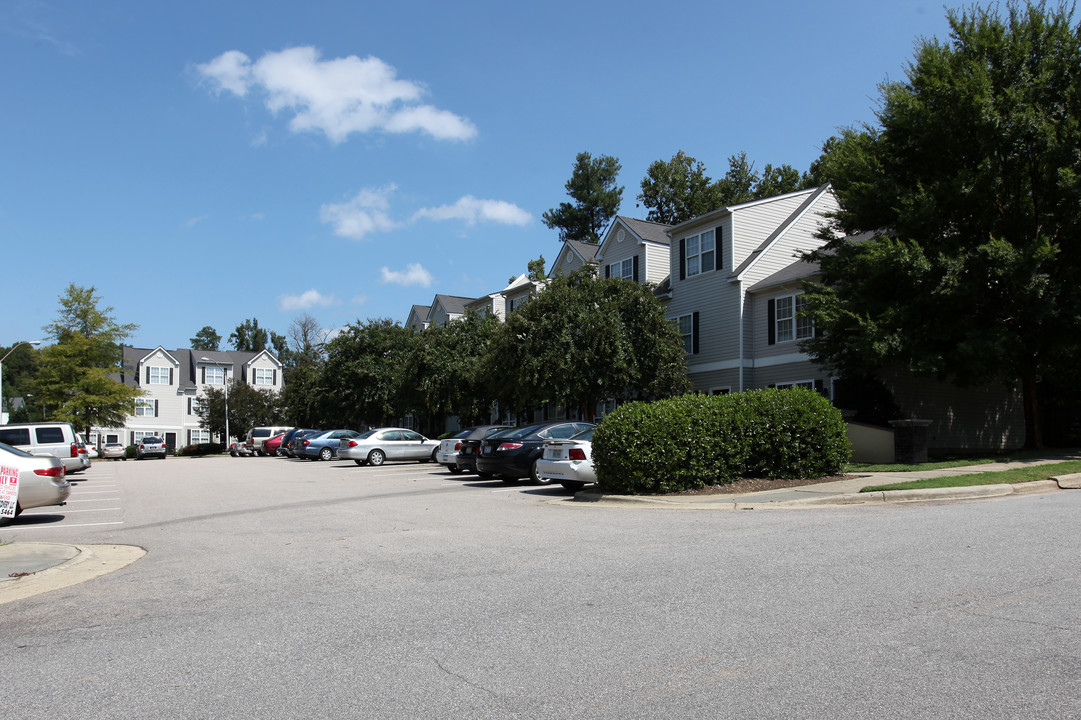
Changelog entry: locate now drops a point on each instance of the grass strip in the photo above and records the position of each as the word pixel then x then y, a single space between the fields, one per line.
pixel 1016 475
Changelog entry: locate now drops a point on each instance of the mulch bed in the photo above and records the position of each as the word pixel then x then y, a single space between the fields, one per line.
pixel 749 485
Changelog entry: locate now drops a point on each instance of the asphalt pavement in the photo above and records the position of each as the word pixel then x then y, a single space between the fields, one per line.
pixel 28 569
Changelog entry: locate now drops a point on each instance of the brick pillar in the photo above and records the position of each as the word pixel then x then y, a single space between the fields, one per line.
pixel 910 440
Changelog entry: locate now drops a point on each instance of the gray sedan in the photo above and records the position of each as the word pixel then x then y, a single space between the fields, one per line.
pixel 381 444
pixel 41 479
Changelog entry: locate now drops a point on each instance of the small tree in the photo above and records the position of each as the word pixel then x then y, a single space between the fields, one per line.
pixel 678 190
pixel 248 408
pixel 206 339
pixel 596 199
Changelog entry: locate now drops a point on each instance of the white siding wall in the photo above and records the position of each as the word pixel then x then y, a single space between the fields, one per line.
pixel 657 263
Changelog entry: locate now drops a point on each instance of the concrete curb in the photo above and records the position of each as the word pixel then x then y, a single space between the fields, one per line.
pixel 90 561
pixel 882 497
pixel 1069 482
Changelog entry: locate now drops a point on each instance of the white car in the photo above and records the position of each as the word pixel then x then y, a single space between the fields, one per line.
pixel 381 444
pixel 42 479
pixel 569 462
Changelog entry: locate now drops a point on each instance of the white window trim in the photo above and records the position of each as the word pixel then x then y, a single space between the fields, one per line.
pixel 686 337
pixel 697 255
pixel 142 405
pixel 157 375
pixel 622 269
pixel 265 373
pixel 807 384
pixel 792 319
pixel 214 370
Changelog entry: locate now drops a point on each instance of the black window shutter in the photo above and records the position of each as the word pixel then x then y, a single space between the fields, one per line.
pixel 607 271
pixel 274 377
pixel 771 319
pixel 682 259
pixel 148 375
pixel 155 408
pixel 694 333
pixel 717 249
pixel 635 271
pixel 204 376
pixel 170 376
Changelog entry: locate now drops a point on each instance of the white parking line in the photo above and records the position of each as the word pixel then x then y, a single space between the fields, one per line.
pixel 65 511
pixel 59 526
pixel 99 492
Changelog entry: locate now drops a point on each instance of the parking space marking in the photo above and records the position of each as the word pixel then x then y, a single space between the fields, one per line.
pixel 65 511
pixel 61 525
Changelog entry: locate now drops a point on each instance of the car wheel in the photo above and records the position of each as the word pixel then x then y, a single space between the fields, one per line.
pixel 361 462
pixel 279 453
pixel 454 469
pixel 573 485
pixel 376 457
pixel 535 476
pixel 326 454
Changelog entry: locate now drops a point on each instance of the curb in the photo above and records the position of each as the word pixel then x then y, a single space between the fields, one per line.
pixel 89 562
pixel 881 497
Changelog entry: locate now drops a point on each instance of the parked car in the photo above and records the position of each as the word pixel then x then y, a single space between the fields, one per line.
pixel 375 447
pixel 289 441
pixel 452 446
pixel 514 454
pixel 114 451
pixel 91 451
pixel 41 479
pixel 470 449
pixel 48 438
pixel 569 461
pixel 323 445
pixel 259 435
pixel 239 449
pixel 150 446
pixel 273 446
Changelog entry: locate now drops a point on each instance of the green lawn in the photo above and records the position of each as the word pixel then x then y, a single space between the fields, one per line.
pixel 952 462
pixel 1017 475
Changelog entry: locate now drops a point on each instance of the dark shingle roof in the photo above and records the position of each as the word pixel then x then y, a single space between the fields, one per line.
pixel 651 231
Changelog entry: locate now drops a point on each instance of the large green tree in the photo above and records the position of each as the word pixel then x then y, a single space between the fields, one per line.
pixel 443 374
pixel 584 340
pixel 678 190
pixel 596 199
pixel 970 185
pixel 206 339
pixel 361 381
pixel 249 337
pixel 248 407
pixel 76 375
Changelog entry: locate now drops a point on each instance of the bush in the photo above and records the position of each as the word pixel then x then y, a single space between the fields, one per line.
pixel 130 452
pixel 201 449
pixel 694 441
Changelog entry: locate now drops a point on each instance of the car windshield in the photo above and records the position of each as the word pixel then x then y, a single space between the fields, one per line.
pixel 463 434
pixel 493 431
pixel 365 435
pixel 151 439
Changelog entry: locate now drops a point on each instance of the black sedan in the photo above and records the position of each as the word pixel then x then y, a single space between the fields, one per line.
pixel 513 454
pixel 466 445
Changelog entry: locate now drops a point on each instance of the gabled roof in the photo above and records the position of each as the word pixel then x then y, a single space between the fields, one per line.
pixel 452 304
pixel 584 250
pixel 421 311
pixel 780 230
pixel 647 230
pixel 159 347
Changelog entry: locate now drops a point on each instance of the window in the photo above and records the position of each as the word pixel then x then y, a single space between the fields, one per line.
pixel 788 319
pixel 624 269
pixel 214 375
pixel 698 254
pixel 49 435
pixel 265 376
pixel 146 408
pixel 808 384
pixel 159 376
pixel 685 323
pixel 138 435
pixel 199 436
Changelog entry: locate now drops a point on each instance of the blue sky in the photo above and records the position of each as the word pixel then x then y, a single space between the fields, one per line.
pixel 201 163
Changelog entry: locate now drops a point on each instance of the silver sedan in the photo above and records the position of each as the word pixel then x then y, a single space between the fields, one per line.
pixel 41 479
pixel 381 444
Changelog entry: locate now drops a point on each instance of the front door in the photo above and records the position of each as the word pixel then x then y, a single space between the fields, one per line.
pixel 170 442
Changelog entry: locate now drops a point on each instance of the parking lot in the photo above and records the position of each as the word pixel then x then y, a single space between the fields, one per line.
pixel 286 588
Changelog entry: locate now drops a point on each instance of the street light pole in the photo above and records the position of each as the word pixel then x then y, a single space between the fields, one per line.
pixel 13 349
pixel 225 377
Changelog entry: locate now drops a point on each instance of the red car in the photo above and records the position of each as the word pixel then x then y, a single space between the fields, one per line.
pixel 273 446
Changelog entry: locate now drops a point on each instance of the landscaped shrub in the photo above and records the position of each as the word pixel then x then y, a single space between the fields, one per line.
pixel 694 441
pixel 201 449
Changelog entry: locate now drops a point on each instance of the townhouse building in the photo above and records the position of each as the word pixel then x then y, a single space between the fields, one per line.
pixel 174 380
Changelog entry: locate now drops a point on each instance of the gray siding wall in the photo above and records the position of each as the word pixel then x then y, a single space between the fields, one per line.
pixel 657 263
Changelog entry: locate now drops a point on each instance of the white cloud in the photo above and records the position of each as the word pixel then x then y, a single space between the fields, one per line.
pixel 192 222
pixel 306 300
pixel 338 97
pixel 365 213
pixel 471 210
pixel 359 299
pixel 414 274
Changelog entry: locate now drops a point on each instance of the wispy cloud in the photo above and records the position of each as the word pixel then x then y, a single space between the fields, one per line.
pixel 192 222
pixel 472 210
pixel 338 97
pixel 306 301
pixel 370 211
pixel 414 274
pixel 364 214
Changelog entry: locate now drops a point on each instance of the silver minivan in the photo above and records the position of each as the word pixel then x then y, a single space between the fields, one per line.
pixel 48 438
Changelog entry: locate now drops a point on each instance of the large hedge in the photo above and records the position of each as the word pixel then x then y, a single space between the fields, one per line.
pixel 695 441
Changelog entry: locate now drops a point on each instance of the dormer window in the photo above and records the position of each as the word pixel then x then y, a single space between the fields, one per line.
pixel 159 376
pixel 214 375
pixel 698 254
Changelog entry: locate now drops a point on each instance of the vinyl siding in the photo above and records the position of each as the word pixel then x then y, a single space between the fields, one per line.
pixel 753 224
pixel 657 263
pixel 797 239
